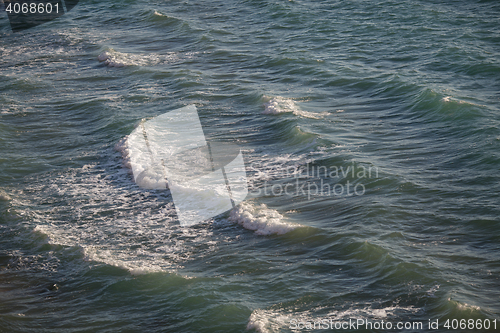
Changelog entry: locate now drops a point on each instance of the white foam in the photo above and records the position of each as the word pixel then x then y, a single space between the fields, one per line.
pixel 115 223
pixel 122 147
pixel 464 306
pixel 122 260
pixel 448 99
pixel 262 220
pixel 112 58
pixel 368 312
pixel 269 321
pixel 433 290
pixel 278 104
pixel 133 261
pixel 4 196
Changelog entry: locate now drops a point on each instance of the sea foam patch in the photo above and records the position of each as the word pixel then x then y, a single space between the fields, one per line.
pixel 112 221
pixel 113 58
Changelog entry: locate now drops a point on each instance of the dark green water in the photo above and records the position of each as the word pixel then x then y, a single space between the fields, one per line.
pixel 403 93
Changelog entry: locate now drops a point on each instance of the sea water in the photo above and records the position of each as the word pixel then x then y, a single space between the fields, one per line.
pixel 370 133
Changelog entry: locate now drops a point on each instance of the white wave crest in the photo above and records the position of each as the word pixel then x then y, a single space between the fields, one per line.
pixel 278 104
pixel 266 321
pixel 448 99
pixel 262 220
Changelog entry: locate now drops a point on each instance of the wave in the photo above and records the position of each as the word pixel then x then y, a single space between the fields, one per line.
pixel 269 321
pixel 451 99
pixel 113 58
pixel 278 104
pixel 459 310
pixel 264 221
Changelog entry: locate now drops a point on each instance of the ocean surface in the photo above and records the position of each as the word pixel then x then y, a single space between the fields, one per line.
pixel 371 138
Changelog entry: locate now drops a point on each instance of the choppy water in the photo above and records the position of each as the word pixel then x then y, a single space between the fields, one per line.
pixel 406 89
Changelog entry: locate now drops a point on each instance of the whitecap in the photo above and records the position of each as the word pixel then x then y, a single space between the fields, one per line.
pixel 114 223
pixel 448 99
pixel 4 196
pixel 267 321
pixel 464 307
pixel 264 221
pixel 278 104
pixel 113 59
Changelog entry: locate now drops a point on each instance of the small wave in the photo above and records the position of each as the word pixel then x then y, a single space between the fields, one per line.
pixel 122 147
pixel 121 260
pixel 112 58
pixel 278 104
pixel 267 321
pixel 262 220
pixel 132 262
pixel 450 99
pixel 162 19
pixel 113 223
pixel 4 196
pixel 461 309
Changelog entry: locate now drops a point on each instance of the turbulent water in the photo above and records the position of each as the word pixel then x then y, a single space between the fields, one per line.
pixel 370 132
